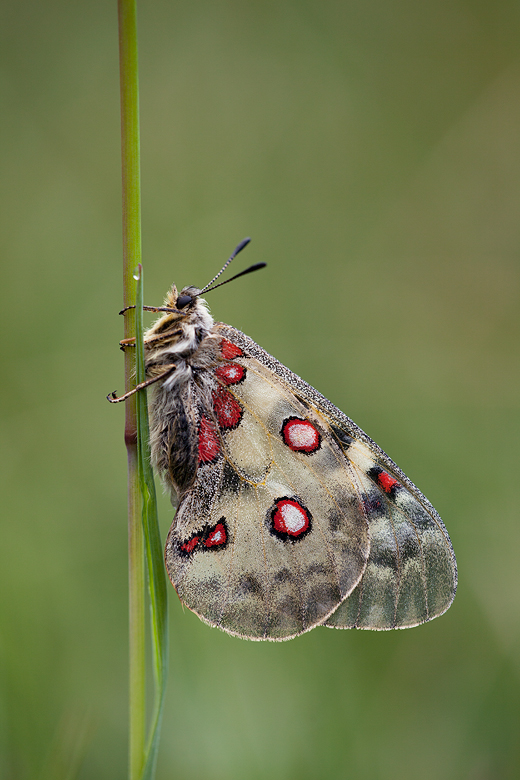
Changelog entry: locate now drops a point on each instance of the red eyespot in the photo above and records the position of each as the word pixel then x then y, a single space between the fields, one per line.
pixel 386 481
pixel 300 435
pixel 231 373
pixel 228 410
pixel 217 536
pixel 289 519
pixel 229 350
pixel 209 445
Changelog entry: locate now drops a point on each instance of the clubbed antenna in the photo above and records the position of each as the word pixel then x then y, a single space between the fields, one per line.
pixel 238 249
pixel 255 267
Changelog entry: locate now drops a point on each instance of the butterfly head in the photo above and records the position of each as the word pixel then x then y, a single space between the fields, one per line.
pixel 184 302
pixel 186 320
pixel 180 303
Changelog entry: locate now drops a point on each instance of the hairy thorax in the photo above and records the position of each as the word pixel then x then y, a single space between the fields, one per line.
pixel 182 346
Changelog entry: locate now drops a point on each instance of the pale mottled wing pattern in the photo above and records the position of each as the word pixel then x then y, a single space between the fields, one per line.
pixel 272 535
pixel 411 574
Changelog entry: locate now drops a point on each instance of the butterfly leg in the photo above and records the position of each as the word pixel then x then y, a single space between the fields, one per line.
pixel 149 341
pixel 114 399
pixel 153 308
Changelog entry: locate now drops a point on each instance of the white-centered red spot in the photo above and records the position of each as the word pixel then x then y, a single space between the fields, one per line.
pixel 209 445
pixel 386 481
pixel 217 536
pixel 228 410
pixel 300 435
pixel 231 373
pixel 290 519
pixel 229 350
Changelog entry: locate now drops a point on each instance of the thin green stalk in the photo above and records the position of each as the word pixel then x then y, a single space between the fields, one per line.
pixel 154 555
pixel 131 191
pixel 143 527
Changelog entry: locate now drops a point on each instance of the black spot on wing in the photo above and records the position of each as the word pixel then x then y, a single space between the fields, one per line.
pixel 335 519
pixel 407 543
pixel 385 557
pixel 374 505
pixel 344 439
pixel 231 480
pixel 317 569
pixel 250 584
pixel 284 575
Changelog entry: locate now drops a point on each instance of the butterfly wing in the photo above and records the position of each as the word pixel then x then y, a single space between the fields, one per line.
pixel 411 574
pixel 272 534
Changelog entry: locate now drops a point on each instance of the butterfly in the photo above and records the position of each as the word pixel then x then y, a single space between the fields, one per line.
pixel 288 515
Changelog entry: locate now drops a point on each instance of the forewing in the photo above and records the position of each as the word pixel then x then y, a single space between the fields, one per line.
pixel 411 574
pixel 273 534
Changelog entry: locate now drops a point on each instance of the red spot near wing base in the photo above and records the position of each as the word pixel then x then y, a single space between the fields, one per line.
pixel 209 445
pixel 231 373
pixel 300 435
pixel 228 410
pixel 386 481
pixel 229 350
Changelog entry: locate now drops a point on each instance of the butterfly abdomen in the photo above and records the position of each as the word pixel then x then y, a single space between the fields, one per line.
pixel 172 439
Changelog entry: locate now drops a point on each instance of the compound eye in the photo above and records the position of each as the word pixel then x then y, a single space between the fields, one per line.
pixel 183 301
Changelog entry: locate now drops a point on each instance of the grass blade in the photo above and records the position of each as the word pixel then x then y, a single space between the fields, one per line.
pixel 154 555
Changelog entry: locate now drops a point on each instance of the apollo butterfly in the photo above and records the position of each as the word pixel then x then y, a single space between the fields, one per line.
pixel 288 515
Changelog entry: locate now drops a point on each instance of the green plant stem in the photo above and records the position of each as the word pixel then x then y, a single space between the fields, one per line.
pixel 136 623
pixel 128 64
pixel 154 553
pixel 143 524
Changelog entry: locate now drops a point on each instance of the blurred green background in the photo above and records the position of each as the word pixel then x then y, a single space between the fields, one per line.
pixel 371 149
